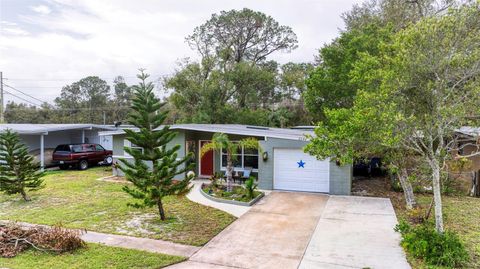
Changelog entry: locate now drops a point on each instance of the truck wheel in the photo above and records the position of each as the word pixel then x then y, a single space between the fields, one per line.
pixel 108 160
pixel 63 166
pixel 83 164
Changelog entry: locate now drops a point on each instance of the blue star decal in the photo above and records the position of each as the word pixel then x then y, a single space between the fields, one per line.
pixel 301 164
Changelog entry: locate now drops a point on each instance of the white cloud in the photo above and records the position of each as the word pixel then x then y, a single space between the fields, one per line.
pixel 116 37
pixel 11 28
pixel 42 9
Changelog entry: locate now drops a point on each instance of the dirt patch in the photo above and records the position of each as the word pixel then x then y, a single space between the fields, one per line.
pixel 378 187
pixel 139 224
pixel 115 179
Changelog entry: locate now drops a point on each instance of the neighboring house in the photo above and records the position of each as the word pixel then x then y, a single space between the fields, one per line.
pixel 42 139
pixel 469 142
pixel 283 165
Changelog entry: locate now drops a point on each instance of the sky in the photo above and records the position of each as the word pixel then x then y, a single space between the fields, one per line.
pixel 46 44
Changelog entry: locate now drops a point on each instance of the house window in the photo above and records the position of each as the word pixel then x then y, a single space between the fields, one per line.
pixel 131 145
pixel 243 158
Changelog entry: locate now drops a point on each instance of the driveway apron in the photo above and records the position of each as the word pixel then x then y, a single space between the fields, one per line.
pixel 273 234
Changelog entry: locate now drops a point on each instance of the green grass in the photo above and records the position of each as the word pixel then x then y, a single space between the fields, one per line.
pixel 95 256
pixel 76 199
pixel 462 215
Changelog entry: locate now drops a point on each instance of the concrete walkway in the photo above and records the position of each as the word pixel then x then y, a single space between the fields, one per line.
pixel 197 197
pixel 356 232
pixel 130 242
pixel 273 234
pixel 146 244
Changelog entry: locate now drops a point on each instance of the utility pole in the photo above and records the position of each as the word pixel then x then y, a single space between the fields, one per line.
pixel 2 117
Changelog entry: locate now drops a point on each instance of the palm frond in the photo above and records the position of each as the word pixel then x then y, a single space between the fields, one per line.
pixel 250 143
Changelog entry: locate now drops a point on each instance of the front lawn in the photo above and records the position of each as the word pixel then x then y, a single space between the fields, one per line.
pixel 77 200
pixel 461 214
pixel 95 256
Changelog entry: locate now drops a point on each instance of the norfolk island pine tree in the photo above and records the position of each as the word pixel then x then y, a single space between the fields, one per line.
pixel 151 184
pixel 18 170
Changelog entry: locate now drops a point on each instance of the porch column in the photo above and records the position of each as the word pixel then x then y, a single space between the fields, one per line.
pixel 42 153
pixel 83 135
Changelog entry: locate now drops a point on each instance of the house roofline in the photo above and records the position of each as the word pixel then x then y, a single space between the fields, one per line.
pixel 297 135
pixel 38 129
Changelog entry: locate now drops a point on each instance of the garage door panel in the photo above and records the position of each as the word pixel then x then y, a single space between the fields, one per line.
pixel 289 175
pixel 292 176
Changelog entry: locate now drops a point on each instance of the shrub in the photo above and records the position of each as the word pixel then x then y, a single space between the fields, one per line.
pixel 250 187
pixel 422 241
pixel 214 179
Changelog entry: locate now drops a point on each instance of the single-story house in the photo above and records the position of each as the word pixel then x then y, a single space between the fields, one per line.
pixel 283 165
pixel 42 139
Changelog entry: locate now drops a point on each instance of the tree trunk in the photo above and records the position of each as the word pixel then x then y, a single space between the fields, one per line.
pixel 437 195
pixel 25 196
pixel 160 209
pixel 475 192
pixel 229 172
pixel 407 189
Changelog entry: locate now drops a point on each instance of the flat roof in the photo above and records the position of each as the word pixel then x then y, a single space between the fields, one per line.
pixel 27 128
pixel 234 129
pixel 469 130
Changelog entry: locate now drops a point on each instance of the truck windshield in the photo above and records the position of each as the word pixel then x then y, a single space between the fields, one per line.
pixel 62 148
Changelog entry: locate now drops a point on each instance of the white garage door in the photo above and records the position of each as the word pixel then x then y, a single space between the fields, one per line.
pixel 297 171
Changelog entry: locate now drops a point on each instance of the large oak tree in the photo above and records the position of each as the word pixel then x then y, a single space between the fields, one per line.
pixel 415 94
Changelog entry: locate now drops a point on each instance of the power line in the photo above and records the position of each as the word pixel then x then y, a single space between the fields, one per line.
pixel 76 109
pixel 40 87
pixel 35 98
pixel 25 100
pixel 69 79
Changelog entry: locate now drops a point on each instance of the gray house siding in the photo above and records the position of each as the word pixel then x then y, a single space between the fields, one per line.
pixel 340 179
pixel 118 143
pixel 118 150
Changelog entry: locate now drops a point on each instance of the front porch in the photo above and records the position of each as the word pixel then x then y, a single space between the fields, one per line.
pixel 246 162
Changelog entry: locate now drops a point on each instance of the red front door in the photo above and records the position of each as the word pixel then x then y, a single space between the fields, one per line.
pixel 206 162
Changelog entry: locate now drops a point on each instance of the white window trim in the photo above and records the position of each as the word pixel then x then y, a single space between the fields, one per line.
pixel 241 155
pixel 128 144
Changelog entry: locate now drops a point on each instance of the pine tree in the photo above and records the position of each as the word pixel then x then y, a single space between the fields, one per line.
pixel 18 170
pixel 154 167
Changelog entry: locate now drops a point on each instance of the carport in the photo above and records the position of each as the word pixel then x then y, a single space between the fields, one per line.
pixel 39 137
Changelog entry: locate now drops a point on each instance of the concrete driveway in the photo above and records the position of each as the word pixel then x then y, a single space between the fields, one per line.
pixel 292 230
pixel 356 232
pixel 273 234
